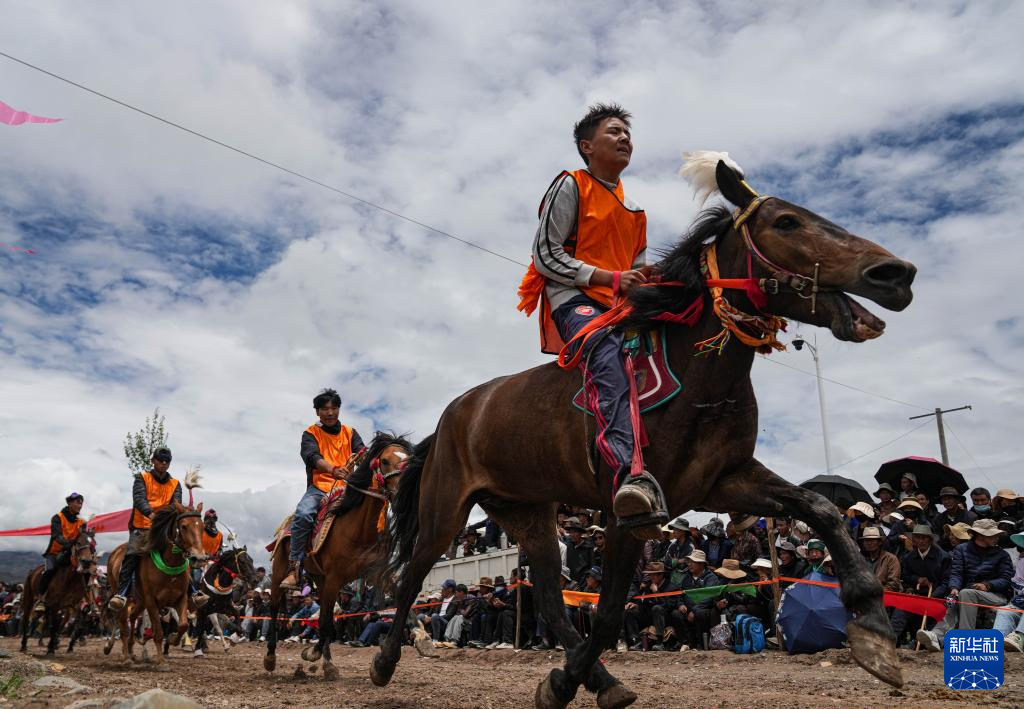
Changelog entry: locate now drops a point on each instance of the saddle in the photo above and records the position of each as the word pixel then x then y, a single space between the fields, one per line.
pixel 656 382
pixel 324 518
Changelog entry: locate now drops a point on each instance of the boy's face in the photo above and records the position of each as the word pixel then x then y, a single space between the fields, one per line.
pixel 328 414
pixel 611 145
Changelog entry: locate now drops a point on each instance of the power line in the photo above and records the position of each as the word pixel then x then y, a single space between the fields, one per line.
pixel 257 158
pixel 976 466
pixel 847 386
pixel 884 445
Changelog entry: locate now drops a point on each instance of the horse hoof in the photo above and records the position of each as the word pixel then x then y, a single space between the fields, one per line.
pixel 330 672
pixel 544 697
pixel 875 653
pixel 107 649
pixel 381 670
pixel 269 663
pixel 616 697
pixel 311 653
pixel 172 639
pixel 299 673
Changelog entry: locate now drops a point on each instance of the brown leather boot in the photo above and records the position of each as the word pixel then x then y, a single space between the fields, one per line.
pixel 639 505
pixel 291 581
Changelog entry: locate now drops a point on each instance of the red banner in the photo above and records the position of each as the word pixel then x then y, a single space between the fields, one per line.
pixel 109 522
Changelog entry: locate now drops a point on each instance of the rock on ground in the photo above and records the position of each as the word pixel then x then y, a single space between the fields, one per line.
pixel 157 699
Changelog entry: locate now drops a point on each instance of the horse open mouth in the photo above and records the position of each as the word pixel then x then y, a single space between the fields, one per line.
pixel 853 322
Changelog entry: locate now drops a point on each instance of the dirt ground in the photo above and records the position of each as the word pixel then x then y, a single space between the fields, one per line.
pixel 477 679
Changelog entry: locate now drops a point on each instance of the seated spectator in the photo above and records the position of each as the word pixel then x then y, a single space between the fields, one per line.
pixel 579 553
pixel 648 613
pixel 348 627
pixel 654 549
pixel 763 603
pixel 980 573
pixel 899 540
pixel 583 618
pixel 954 511
pixel 732 602
pixel 885 493
pixel 1008 512
pixel 930 510
pixel 790 564
pixel 957 534
pixel 302 622
pixel 784 533
pixel 981 503
pixel 597 539
pixel 815 556
pixel 716 547
pixel 691 619
pixel 745 546
pixel 459 612
pixel 376 622
pixel 481 628
pixel 885 565
pixel 827 567
pixel 678 549
pixel 908 486
pixel 860 515
pixel 1008 622
pixel 925 572
pixel 438 618
pixel 472 544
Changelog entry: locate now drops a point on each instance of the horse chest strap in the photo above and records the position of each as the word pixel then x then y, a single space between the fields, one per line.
pixel 163 567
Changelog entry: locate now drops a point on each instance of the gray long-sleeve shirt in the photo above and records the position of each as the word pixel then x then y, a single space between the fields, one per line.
pixel 565 274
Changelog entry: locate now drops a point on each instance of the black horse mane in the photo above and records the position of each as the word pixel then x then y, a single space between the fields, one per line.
pixel 680 263
pixel 362 476
pixel 162 529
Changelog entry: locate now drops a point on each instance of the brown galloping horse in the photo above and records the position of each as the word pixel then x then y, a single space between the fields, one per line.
pixel 64 597
pixel 352 544
pixel 172 544
pixel 515 445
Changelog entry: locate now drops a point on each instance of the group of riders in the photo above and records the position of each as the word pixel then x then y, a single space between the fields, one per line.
pixel 589 250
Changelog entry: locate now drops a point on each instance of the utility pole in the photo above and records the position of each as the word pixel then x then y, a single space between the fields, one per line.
pixel 800 343
pixel 942 433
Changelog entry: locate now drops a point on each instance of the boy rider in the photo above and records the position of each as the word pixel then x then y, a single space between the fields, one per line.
pixel 325 449
pixel 591 247
pixel 64 529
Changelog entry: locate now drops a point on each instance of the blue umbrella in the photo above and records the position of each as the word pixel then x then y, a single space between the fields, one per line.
pixel 812 617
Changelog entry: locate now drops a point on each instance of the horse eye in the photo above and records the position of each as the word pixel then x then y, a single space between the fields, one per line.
pixel 786 223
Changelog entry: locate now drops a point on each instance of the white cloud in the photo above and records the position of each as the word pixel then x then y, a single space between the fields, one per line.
pixel 178 274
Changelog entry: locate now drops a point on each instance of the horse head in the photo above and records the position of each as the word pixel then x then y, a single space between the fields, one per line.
pixel 387 466
pixel 807 266
pixel 244 567
pixel 85 551
pixel 188 532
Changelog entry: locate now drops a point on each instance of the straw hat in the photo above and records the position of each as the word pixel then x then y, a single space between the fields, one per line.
pixel 787 546
pixel 745 523
pixel 871 533
pixel 911 504
pixel 594 528
pixel 486 581
pixel 864 508
pixel 911 477
pixel 730 569
pixel 761 563
pixel 885 486
pixel 986 527
pixel 1007 494
pixel 960 530
pixel 801 527
pixel 655 567
pixel 696 555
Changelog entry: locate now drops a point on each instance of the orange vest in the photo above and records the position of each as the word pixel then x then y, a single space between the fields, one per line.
pixel 336 450
pixel 158 494
pixel 211 545
pixel 68 529
pixel 608 236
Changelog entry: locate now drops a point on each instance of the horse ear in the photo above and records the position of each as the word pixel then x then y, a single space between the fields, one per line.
pixel 200 508
pixel 178 507
pixel 732 186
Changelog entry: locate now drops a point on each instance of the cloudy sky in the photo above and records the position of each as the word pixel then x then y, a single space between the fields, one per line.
pixel 171 272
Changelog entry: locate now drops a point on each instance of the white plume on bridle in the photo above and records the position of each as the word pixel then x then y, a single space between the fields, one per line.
pixel 699 170
pixel 192 480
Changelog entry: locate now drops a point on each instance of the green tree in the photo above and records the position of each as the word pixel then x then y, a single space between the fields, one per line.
pixel 139 446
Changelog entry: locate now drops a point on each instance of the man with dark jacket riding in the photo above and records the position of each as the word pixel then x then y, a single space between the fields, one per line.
pixel 326 448
pixel 590 249
pixel 151 490
pixel 64 529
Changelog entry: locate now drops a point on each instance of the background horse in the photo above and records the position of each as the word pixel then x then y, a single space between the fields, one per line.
pixel 64 597
pixel 175 539
pixel 516 446
pixel 232 569
pixel 350 547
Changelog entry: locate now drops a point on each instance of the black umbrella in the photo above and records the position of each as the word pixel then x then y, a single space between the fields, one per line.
pixel 932 475
pixel 841 492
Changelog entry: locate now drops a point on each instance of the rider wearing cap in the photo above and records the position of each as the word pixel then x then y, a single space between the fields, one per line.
pixel 590 247
pixel 151 490
pixel 213 539
pixel 325 449
pixel 64 529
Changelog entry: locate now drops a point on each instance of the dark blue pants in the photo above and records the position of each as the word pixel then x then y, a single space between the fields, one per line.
pixel 605 381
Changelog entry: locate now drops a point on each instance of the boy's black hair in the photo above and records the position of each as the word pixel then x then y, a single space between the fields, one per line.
pixel 586 127
pixel 326 396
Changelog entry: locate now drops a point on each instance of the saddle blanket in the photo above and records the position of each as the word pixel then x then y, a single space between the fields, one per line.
pixel 320 530
pixel 655 381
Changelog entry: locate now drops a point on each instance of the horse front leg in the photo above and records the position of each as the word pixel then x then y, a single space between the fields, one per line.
pixel 755 489
pixel 326 634
pixel 53 624
pixel 157 628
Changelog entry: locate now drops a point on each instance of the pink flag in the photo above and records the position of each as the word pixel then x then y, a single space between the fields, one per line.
pixel 15 118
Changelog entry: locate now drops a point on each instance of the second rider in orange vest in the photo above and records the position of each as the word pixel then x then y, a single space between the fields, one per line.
pixel 591 247
pixel 325 449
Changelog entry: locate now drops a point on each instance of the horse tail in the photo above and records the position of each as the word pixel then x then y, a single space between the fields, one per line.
pixel 404 522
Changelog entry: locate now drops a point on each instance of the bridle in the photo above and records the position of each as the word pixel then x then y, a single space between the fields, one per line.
pixel 379 479
pixel 221 565
pixel 176 539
